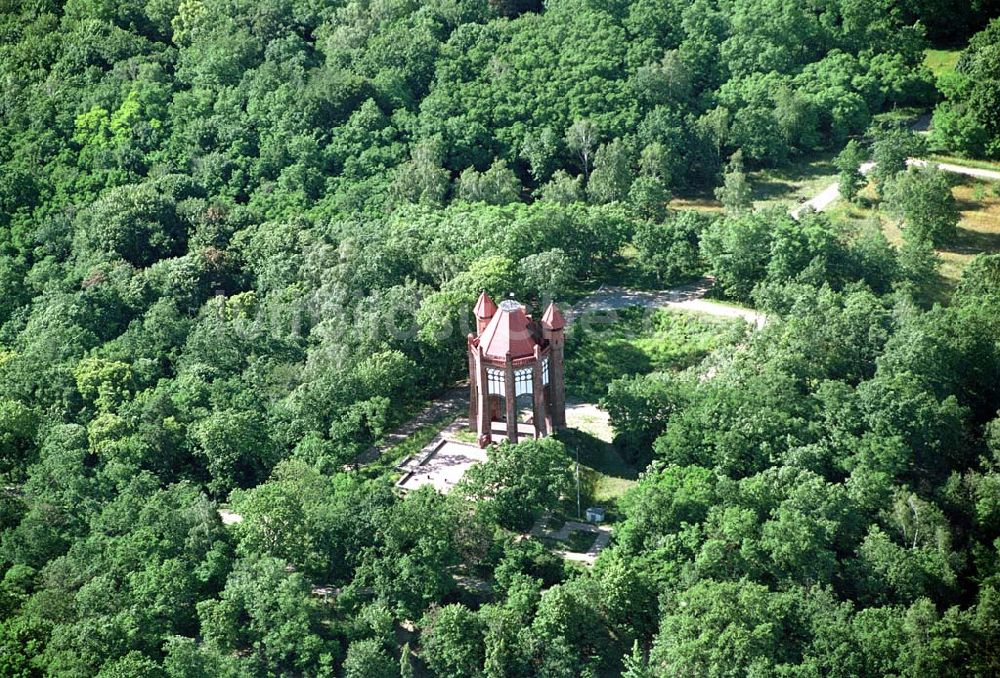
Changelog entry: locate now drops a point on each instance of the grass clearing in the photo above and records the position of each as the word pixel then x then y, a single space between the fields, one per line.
pixel 788 186
pixel 941 61
pixel 638 342
pixel 851 216
pixel 979 203
pixel 604 475
pixel 978 227
pixel 795 182
pixel 709 205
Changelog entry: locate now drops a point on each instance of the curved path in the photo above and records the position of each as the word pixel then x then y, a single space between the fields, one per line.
pixel 690 297
pixel 831 193
pixel 990 175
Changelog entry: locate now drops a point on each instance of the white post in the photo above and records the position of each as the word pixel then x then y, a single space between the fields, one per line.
pixel 579 513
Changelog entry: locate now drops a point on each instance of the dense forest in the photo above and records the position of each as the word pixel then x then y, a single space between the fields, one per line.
pixel 240 241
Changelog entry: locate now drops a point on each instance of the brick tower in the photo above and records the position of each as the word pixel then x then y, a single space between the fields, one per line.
pixel 512 355
pixel 552 333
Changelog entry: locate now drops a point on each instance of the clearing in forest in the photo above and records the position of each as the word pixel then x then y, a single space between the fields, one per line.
pixel 978 228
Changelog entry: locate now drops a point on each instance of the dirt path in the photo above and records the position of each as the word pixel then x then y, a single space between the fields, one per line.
pixel 690 297
pixel 827 196
pixel 831 193
pixel 989 175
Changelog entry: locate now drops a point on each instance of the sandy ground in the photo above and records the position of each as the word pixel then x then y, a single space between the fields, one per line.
pixel 589 418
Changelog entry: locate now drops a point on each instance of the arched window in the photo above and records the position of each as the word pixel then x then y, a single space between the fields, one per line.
pixel 495 381
pixel 522 381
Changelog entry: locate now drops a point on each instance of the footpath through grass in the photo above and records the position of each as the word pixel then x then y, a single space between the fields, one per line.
pixel 978 228
pixel 795 182
pixel 967 162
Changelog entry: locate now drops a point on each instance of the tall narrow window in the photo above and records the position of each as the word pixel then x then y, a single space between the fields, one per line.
pixel 495 380
pixel 522 381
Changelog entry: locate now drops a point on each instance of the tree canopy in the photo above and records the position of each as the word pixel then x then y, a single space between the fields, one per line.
pixel 240 243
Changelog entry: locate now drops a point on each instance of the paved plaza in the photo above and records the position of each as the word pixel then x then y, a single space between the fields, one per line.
pixel 441 466
pixel 444 460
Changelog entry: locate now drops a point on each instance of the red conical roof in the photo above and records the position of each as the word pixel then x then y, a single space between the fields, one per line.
pixel 552 318
pixel 485 308
pixel 508 333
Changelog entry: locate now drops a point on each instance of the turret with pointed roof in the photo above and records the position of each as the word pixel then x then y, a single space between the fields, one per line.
pixel 484 311
pixel 552 319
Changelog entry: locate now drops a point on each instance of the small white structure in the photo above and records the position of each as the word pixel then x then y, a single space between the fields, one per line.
pixel 229 517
